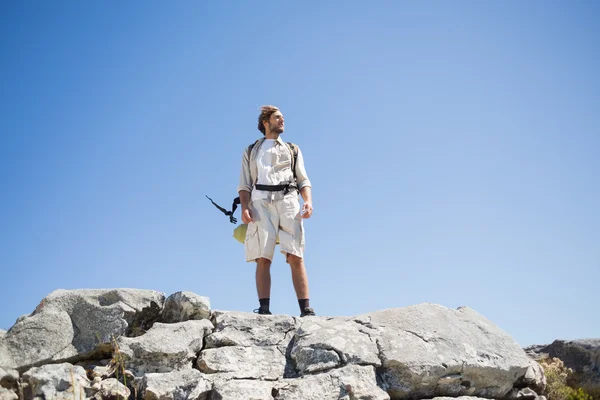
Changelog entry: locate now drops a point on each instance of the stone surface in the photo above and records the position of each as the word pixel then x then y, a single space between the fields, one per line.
pixel 429 350
pixel 188 384
pixel 248 329
pixel 56 381
pixel 6 394
pixel 112 389
pixel 323 343
pixel 242 389
pixel 185 306
pixel 244 362
pixel 152 352
pixel 43 337
pixel 417 352
pixel 354 381
pixel 69 325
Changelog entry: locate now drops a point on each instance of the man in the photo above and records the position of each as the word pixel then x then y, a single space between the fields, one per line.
pixel 269 199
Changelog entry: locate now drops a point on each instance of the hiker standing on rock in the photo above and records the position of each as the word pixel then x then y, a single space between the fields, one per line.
pixel 272 175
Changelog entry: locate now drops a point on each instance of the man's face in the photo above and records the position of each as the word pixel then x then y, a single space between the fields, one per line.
pixel 276 124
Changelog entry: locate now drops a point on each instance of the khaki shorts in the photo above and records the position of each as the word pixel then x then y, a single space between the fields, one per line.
pixel 274 220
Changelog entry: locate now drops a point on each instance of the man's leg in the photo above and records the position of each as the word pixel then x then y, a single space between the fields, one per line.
pixel 263 285
pixel 300 281
pixel 263 278
pixel 299 277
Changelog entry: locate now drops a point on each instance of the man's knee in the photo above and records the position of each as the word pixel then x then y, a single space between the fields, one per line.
pixel 263 262
pixel 293 260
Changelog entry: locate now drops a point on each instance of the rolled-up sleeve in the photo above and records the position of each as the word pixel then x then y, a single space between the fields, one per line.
pixel 301 175
pixel 245 178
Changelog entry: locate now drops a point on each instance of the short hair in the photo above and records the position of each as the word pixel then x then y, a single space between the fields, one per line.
pixel 265 115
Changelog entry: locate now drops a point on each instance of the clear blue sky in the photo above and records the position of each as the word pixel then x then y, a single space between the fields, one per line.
pixel 453 147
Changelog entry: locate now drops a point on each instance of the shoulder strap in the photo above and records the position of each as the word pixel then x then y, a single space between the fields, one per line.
pixel 294 150
pixel 249 150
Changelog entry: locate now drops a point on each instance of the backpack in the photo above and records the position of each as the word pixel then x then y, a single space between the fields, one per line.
pixel 293 149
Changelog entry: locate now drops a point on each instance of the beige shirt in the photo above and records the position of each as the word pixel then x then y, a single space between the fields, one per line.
pixel 279 168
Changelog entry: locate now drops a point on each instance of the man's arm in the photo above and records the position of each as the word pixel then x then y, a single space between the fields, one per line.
pixel 244 201
pixel 307 208
pixel 245 187
pixel 304 186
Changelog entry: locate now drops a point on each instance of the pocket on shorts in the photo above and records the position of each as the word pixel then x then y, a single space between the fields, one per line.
pixel 251 241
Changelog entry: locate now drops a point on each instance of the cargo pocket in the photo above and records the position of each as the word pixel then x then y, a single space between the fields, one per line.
pixel 251 242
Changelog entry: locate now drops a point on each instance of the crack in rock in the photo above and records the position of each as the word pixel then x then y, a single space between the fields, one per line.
pixel 417 335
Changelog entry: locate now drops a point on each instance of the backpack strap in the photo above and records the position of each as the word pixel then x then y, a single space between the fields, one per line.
pixel 294 150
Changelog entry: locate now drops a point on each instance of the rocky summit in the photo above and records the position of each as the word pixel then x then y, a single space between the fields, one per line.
pixel 140 344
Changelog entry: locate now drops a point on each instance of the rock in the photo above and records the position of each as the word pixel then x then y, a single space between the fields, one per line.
pixel 6 394
pixel 184 306
pixel 102 372
pixel 2 332
pixel 429 350
pixel 57 381
pixel 248 329
pixel 177 385
pixel 242 389
pixel 152 353
pixel 69 325
pixel 320 344
pixel 522 394
pixel 354 381
pixel 9 378
pixel 244 362
pixel 534 377
pixel 112 389
pixel 459 398
pixel 43 337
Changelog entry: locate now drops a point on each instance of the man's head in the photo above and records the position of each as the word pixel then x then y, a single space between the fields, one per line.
pixel 271 120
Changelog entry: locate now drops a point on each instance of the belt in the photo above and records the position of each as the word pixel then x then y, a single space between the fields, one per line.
pixel 276 188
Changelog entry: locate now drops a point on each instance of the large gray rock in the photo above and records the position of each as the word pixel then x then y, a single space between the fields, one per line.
pixel 69 325
pixel 56 381
pixel 242 389
pixel 184 306
pixel 248 329
pixel 188 384
pixel 6 394
pixel 349 382
pixel 2 332
pixel 240 362
pixel 165 347
pixel 324 343
pixel 43 337
pixel 428 350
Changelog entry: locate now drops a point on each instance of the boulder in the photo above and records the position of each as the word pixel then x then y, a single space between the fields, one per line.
pixel 69 325
pixel 188 384
pixel 184 306
pixel 56 381
pixel 165 347
pixel 428 350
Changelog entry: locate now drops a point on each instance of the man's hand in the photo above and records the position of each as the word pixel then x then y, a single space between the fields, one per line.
pixel 307 210
pixel 246 216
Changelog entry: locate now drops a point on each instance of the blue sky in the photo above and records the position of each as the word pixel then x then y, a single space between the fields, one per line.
pixel 453 150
